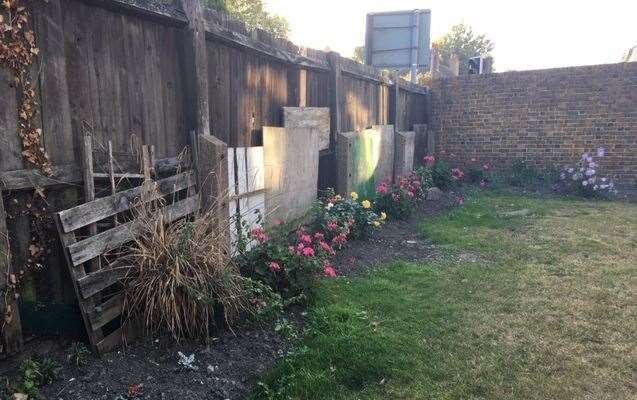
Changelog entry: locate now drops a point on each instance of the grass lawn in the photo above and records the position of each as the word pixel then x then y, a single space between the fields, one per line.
pixel 539 304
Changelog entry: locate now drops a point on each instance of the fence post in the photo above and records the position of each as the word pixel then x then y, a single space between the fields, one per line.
pixel 336 93
pixel 212 173
pixel 397 108
pixel 196 69
pixel 302 81
pixel 10 325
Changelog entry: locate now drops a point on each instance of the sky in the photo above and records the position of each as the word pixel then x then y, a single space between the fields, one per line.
pixel 532 34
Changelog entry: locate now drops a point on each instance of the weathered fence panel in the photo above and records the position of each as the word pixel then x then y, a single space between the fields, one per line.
pixel 133 72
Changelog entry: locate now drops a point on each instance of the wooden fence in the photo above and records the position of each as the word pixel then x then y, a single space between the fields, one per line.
pixel 154 72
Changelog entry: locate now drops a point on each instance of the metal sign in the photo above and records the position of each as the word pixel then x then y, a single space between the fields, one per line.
pixel 398 39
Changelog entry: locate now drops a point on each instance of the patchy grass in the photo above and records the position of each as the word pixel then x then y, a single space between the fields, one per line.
pixel 545 310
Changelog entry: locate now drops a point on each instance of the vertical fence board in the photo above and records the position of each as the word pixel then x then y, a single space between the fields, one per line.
pixel 11 335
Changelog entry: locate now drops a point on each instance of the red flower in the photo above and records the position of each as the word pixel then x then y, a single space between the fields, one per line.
pixel 274 266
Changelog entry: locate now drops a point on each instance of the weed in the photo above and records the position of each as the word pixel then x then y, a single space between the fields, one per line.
pixel 78 354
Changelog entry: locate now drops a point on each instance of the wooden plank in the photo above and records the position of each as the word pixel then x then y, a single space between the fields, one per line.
pixel 104 207
pixel 104 313
pixel 56 111
pixel 218 32
pixel 71 175
pixel 93 246
pixel 10 145
pixel 117 176
pixel 89 187
pixel 118 337
pixel 10 325
pixel 95 282
pixel 398 108
pixel 233 205
pixel 336 94
pixel 143 10
pixel 30 178
pixel 213 189
pixel 195 71
pixel 68 239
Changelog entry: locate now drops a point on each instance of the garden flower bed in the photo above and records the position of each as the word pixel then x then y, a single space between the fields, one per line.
pixel 234 362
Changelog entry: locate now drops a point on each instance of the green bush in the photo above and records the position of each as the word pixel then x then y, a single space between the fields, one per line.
pixel 441 175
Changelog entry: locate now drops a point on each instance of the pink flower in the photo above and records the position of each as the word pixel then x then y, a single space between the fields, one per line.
pixel 274 266
pixel 483 183
pixel 411 194
pixel 308 251
pixel 300 246
pixel 326 247
pixel 457 173
pixel 278 221
pixel 429 160
pixel 395 196
pixel 382 188
pixel 259 235
pixel 332 225
pixel 306 238
pixel 291 249
pixel 329 271
pixel 319 236
pixel 339 239
pixel 486 167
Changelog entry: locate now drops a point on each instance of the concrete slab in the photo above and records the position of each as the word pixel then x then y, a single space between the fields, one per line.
pixel 291 157
pixel 315 118
pixel 404 153
pixel 365 158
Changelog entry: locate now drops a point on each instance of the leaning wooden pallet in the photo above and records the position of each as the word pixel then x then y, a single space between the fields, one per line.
pixel 86 248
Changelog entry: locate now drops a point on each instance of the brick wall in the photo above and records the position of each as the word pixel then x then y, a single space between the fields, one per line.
pixel 545 117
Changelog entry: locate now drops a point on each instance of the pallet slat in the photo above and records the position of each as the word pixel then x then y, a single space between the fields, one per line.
pixel 102 208
pixel 93 246
pixel 95 282
pixel 104 313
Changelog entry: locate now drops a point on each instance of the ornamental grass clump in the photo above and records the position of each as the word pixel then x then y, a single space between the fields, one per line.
pixel 182 279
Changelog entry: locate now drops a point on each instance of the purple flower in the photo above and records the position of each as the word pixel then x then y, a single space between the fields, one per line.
pixel 590 172
pixel 584 182
pixel 601 151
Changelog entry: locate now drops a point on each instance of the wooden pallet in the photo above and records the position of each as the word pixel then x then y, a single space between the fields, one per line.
pixel 96 290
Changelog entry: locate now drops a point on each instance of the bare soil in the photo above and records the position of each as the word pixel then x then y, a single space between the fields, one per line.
pixel 231 365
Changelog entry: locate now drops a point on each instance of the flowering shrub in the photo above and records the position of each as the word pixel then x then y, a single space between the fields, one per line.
pixel 398 200
pixel 288 263
pixel 582 179
pixel 343 218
